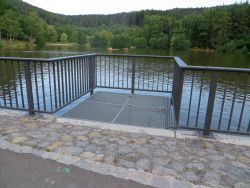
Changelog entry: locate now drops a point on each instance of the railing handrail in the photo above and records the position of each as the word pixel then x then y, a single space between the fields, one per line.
pixel 132 55
pixel 45 59
pixel 177 59
pixel 224 69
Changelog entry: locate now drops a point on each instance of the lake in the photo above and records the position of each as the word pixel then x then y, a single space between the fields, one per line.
pixel 192 82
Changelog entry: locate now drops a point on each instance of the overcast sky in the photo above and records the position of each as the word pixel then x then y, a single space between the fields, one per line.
pixel 74 7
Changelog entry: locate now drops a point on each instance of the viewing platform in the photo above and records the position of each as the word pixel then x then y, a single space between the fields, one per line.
pixel 151 119
pixel 128 109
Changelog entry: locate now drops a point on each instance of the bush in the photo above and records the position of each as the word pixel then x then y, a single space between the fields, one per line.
pixel 140 42
pixel 180 42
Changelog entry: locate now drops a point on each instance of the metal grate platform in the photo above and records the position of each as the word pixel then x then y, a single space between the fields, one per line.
pixel 127 109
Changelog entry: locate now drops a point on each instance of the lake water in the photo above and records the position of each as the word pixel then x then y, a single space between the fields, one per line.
pixel 236 88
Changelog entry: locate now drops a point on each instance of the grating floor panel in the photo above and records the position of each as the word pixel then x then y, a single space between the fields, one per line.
pixel 137 110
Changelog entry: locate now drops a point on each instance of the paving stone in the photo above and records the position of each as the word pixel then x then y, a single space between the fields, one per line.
pixel 240 164
pixel 88 155
pixel 190 176
pixel 163 161
pixel 163 171
pixel 139 141
pixel 43 144
pixel 126 164
pixel 143 164
pixel 70 150
pixel 95 134
pixel 123 150
pixel 54 146
pixel 81 138
pixel 109 159
pixel 212 178
pixel 198 166
pixel 66 138
pixel 122 142
pixel 20 139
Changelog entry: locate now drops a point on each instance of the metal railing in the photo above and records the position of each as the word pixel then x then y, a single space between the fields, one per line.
pixel 204 98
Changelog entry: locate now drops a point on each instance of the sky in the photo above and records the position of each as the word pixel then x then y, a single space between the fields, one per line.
pixel 76 7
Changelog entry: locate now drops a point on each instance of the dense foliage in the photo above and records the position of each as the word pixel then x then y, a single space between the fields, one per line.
pixel 225 28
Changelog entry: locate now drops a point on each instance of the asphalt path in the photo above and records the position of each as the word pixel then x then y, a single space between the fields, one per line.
pixel 29 171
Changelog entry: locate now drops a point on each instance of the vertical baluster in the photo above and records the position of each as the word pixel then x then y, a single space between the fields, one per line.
pixel 118 71
pixel 42 78
pixel 143 76
pixel 109 70
pixel 69 79
pixel 199 101
pixel 50 90
pixel 14 83
pixel 62 81
pixel 163 78
pixel 20 83
pixel 113 71
pixel 168 82
pixel 80 76
pixel 223 102
pixel 233 102
pixel 210 104
pixel 100 69
pixel 72 79
pixel 153 68
pixel 190 99
pixel 127 70
pixel 2 78
pixel 59 84
pixel 149 71
pixel 8 82
pixel 105 71
pixel 158 78
pixel 243 103
pixel 54 79
pixel 123 72
pixel 29 89
pixel 66 81
pixel 37 89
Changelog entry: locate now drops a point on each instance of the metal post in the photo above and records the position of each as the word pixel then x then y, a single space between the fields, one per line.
pixel 92 74
pixel 133 78
pixel 29 89
pixel 210 104
pixel 177 90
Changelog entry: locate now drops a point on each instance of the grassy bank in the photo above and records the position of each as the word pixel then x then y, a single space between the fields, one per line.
pixel 17 45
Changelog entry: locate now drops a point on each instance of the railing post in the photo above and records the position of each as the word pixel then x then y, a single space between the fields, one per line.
pixel 29 88
pixel 210 104
pixel 177 90
pixel 133 77
pixel 92 74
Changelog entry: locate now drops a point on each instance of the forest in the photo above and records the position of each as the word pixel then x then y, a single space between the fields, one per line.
pixel 223 28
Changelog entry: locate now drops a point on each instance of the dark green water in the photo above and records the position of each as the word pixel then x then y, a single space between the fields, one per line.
pixel 191 57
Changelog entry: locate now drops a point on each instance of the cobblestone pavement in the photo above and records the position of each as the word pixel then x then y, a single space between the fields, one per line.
pixel 154 160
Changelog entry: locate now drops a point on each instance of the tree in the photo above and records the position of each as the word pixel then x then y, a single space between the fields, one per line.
pixel 51 33
pixel 82 39
pixel 10 24
pixel 102 38
pixel 35 27
pixel 64 38
pixel 179 41
pixel 140 42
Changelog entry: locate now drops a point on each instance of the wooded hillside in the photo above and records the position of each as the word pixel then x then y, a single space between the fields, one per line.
pixel 225 28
